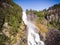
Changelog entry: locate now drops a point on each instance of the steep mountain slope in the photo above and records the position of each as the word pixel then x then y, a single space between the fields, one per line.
pixel 48 23
pixel 53 16
pixel 10 23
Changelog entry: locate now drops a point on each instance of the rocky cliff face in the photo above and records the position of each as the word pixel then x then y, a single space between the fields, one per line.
pixel 11 31
pixel 53 16
pixel 52 37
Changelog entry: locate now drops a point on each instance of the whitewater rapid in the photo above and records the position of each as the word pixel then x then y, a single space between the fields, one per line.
pixel 33 37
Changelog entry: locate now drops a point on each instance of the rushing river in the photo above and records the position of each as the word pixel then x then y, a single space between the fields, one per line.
pixel 33 37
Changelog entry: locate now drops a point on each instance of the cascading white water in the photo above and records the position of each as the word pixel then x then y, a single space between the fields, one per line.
pixel 33 37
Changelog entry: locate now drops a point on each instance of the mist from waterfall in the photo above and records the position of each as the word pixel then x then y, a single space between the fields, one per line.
pixel 33 37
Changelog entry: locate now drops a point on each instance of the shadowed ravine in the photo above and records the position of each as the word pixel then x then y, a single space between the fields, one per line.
pixel 33 37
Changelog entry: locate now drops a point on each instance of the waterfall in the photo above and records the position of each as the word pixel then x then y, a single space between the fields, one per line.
pixel 33 37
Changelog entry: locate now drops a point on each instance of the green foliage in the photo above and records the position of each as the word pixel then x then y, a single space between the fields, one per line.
pixel 39 14
pixel 56 6
pixel 12 14
pixel 53 10
pixel 3 39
